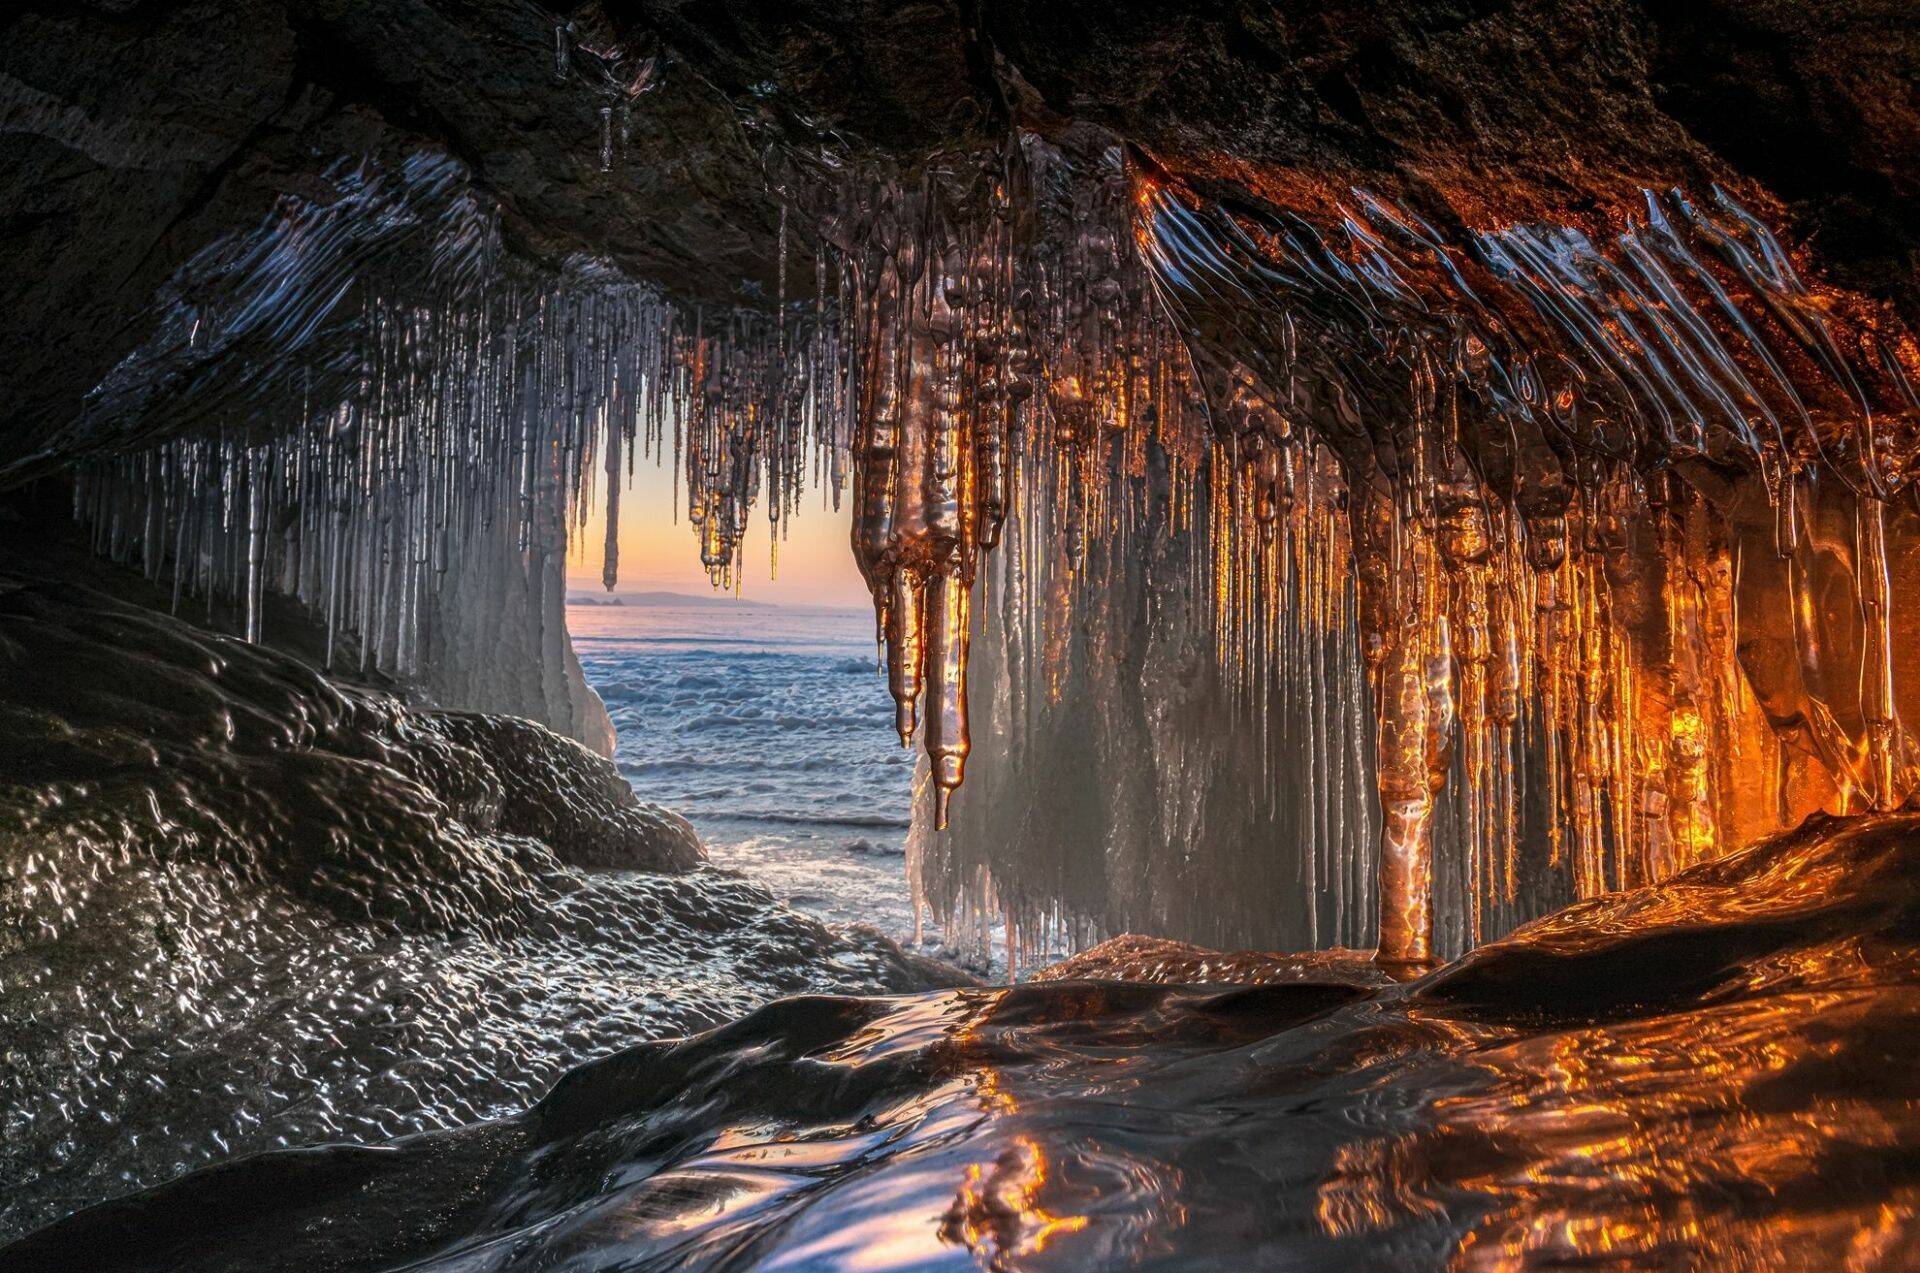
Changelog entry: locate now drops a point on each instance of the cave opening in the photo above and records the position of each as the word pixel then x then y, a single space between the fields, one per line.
pixel 750 708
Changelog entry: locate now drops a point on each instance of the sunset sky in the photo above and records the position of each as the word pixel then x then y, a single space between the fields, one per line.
pixel 658 553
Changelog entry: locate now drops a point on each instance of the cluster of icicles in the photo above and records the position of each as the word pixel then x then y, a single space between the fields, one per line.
pixel 363 387
pixel 584 52
pixel 1556 470
pixel 1609 533
pixel 1619 515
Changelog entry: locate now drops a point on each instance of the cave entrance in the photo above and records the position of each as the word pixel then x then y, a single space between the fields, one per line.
pixel 754 707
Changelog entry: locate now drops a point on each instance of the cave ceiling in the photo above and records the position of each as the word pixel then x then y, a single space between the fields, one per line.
pixel 138 133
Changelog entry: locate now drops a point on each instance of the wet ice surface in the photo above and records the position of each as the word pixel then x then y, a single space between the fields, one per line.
pixel 1712 1073
pixel 242 908
pixel 768 727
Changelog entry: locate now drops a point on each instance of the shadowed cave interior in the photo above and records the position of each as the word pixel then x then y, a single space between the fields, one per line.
pixel 1388 526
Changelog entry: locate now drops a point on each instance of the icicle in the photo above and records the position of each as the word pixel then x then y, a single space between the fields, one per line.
pixel 610 563
pixel 256 539
pixel 1885 762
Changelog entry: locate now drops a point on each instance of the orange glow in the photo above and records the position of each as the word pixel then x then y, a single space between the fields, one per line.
pixel 997 1214
pixel 807 564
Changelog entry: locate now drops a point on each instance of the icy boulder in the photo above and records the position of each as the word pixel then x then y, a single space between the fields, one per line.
pixel 126 735
pixel 244 907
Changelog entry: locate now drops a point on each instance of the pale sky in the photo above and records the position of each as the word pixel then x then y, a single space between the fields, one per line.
pixel 659 553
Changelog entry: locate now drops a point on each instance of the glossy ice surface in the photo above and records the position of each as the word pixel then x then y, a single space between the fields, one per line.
pixel 243 907
pixel 1710 1073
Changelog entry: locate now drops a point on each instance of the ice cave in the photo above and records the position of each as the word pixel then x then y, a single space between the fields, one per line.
pixel 1374 736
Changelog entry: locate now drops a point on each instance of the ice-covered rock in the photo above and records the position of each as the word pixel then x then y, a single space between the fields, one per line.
pixel 1711 1072
pixel 243 906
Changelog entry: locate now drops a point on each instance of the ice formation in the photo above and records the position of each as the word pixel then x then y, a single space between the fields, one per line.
pixel 1581 487
pixel 1576 547
pixel 370 408
pixel 1704 1073
pixel 244 907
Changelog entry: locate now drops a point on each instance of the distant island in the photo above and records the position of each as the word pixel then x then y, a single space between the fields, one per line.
pixel 677 600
